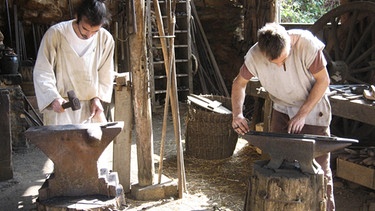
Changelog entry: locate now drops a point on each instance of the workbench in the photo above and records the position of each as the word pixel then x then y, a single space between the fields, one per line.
pixel 358 109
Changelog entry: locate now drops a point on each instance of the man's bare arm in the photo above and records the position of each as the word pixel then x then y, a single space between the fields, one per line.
pixel 239 123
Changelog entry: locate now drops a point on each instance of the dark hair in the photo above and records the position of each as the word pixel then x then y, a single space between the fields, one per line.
pixel 272 39
pixel 95 11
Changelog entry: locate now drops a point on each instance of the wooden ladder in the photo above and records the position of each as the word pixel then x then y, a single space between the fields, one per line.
pixel 183 57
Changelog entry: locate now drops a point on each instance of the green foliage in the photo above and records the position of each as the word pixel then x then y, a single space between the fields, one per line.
pixel 305 11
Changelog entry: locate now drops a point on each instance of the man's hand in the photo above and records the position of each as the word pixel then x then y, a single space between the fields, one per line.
pixel 56 105
pixel 240 124
pixel 96 107
pixel 296 124
pixel 322 81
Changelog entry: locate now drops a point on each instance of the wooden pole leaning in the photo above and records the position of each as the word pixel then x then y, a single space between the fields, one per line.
pixel 171 95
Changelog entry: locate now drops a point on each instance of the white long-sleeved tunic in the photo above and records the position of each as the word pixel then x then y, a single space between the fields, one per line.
pixel 59 69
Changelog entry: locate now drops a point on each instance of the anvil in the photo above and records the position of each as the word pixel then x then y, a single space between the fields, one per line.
pixel 301 147
pixel 75 155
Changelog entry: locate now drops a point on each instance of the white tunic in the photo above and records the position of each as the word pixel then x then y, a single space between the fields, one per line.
pixel 289 89
pixel 59 69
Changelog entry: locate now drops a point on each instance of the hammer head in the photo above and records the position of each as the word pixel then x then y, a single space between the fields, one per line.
pixel 74 102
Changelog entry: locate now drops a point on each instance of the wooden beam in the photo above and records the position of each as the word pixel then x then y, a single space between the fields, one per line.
pixel 122 143
pixel 141 103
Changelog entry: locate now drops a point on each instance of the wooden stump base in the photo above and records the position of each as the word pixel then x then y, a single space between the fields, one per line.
pixel 93 203
pixel 286 189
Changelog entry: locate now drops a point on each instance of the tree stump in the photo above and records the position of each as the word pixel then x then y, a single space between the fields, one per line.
pixel 285 189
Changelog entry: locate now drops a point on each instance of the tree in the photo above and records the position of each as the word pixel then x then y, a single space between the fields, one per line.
pixel 305 11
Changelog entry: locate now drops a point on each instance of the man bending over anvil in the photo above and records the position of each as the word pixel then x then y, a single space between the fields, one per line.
pixel 290 65
pixel 76 55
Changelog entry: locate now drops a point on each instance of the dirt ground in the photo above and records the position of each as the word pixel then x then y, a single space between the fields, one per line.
pixel 211 184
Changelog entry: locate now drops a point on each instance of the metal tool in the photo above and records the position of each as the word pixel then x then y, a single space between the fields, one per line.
pixel 73 102
pixel 369 94
pixel 38 121
pixel 301 147
pixel 88 120
pixel 211 105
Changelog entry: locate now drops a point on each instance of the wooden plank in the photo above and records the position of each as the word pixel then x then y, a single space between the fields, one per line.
pixel 254 89
pixel 122 143
pixel 349 171
pixel 267 114
pixel 358 110
pixel 255 118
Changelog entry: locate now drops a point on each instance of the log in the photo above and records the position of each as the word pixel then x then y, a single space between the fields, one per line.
pixel 286 189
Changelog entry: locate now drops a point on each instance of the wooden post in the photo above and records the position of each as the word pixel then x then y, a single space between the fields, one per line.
pixel 257 13
pixel 141 102
pixel 122 143
pixel 285 190
pixel 6 168
pixel 267 113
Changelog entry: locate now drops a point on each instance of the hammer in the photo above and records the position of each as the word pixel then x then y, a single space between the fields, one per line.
pixel 73 102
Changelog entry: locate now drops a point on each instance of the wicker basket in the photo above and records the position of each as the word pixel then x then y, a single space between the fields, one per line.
pixel 210 135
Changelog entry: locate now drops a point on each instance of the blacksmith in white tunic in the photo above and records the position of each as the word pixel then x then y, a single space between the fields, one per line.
pixel 290 65
pixel 75 55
